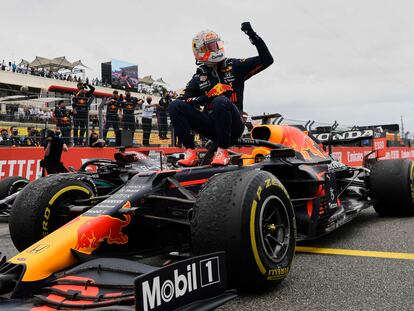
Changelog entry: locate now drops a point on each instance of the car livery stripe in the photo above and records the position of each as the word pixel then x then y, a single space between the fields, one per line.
pixel 353 252
pixel 60 192
pixel 253 238
pixel 192 182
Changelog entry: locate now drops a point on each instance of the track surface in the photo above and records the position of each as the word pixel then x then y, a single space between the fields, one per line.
pixel 336 282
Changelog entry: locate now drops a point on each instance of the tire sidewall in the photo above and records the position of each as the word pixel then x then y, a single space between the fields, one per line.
pixel 47 215
pixel 392 187
pixel 37 206
pixel 252 206
pixel 11 184
pixel 256 189
pixel 226 217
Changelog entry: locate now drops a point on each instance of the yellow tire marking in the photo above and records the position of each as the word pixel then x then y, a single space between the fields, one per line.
pixel 253 238
pixel 352 252
pixel 60 192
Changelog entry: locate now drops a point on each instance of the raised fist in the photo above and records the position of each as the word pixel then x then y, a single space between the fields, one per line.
pixel 247 28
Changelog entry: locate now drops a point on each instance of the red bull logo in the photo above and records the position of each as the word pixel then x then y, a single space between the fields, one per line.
pixel 299 141
pixel 96 230
pixel 289 136
pixel 219 89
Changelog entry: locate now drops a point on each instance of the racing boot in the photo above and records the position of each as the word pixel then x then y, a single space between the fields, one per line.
pixel 191 158
pixel 221 157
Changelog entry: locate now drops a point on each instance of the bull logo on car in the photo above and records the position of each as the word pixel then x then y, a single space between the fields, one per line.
pixel 96 230
pixel 297 140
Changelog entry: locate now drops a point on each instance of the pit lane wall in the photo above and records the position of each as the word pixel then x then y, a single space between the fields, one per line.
pixel 25 162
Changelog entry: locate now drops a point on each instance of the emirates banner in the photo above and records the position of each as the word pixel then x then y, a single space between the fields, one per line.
pixel 25 162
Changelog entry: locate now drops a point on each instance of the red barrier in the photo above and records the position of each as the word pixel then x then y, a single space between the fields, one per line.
pixel 354 156
pixel 25 162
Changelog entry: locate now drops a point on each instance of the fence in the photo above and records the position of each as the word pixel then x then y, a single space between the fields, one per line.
pixel 32 115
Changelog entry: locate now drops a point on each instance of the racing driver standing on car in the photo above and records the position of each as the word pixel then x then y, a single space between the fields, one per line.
pixel 217 85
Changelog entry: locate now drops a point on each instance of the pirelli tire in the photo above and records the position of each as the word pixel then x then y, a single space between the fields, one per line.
pixel 249 215
pixel 12 184
pixel 39 208
pixel 392 187
pixel 9 186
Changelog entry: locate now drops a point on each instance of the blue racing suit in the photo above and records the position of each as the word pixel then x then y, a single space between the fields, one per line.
pixel 221 118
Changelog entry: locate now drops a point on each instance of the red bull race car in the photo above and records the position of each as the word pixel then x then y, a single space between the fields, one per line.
pixel 180 238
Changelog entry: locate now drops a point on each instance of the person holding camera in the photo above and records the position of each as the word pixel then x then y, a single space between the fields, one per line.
pixel 54 146
pixel 80 105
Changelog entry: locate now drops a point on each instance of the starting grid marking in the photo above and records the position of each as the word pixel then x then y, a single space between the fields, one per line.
pixel 352 252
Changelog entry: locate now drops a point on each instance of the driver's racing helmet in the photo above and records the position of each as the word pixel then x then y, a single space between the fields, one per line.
pixel 208 47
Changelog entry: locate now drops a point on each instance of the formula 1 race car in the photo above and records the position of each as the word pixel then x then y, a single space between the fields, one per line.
pixel 107 176
pixel 179 238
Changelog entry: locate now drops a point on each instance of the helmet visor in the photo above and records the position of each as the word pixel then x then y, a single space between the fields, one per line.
pixel 212 46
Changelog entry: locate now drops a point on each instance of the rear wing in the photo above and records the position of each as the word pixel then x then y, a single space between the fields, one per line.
pixel 344 137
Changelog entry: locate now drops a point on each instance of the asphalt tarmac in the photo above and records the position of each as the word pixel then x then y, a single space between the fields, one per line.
pixel 337 282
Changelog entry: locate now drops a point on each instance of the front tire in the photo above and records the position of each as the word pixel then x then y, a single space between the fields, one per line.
pixel 12 184
pixel 248 214
pixel 392 187
pixel 9 186
pixel 39 208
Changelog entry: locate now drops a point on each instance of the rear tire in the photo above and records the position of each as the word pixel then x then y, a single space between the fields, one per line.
pixel 38 209
pixel 392 187
pixel 248 214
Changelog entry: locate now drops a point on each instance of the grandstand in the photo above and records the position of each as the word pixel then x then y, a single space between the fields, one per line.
pixel 26 100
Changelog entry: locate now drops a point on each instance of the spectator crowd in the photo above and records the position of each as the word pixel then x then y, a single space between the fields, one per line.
pixel 42 72
pixel 123 113
pixel 20 113
pixel 11 138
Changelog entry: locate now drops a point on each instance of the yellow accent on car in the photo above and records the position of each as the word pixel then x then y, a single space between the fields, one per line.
pixel 253 238
pixel 52 253
pixel 60 192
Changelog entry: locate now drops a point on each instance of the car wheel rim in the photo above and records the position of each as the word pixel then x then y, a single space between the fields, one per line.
pixel 274 227
pixel 62 210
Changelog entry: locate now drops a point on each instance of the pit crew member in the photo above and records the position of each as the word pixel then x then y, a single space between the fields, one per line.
pixel 80 104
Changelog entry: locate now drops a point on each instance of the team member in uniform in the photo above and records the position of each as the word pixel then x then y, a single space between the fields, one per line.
pixel 80 103
pixel 129 105
pixel 220 119
pixel 63 123
pixel 113 106
pixel 147 112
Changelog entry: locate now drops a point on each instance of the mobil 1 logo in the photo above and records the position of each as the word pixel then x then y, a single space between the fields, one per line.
pixel 181 283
